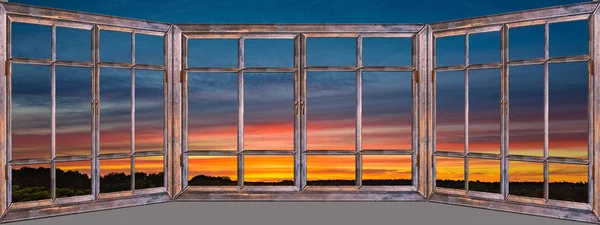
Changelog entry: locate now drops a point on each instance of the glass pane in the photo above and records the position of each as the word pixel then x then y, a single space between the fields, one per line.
pixel 269 53
pixel 149 172
pixel 568 182
pixel 569 38
pixel 330 170
pixel 115 46
pixel 526 110
pixel 212 170
pixel 568 116
pixel 73 111
pixel 213 53
pixel 526 42
pixel 331 51
pixel 73 178
pixel 115 110
pixel 331 111
pixel 268 111
pixel 450 111
pixel 484 111
pixel 31 116
pixel 450 51
pixel 386 170
pixel 449 172
pixel 73 44
pixel 484 48
pixel 387 51
pixel 30 182
pixel 269 170
pixel 149 49
pixel 31 41
pixel 484 175
pixel 149 110
pixel 212 111
pixel 526 179
pixel 115 175
pixel 387 111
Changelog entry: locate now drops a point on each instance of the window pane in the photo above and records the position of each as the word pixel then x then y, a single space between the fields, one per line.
pixel 268 111
pixel 568 182
pixel 450 51
pixel 568 122
pixel 450 111
pixel 526 110
pixel 269 170
pixel 212 171
pixel 31 116
pixel 213 53
pixel 73 44
pixel 212 111
pixel 484 175
pixel 73 178
pixel 330 170
pixel 149 49
pixel 569 38
pixel 526 179
pixel 269 53
pixel 30 182
pixel 331 51
pixel 387 111
pixel 73 111
pixel 149 110
pixel 484 48
pixel 526 42
pixel 387 51
pixel 115 175
pixel 331 111
pixel 450 172
pixel 149 172
pixel 115 110
pixel 386 170
pixel 484 111
pixel 30 41
pixel 115 46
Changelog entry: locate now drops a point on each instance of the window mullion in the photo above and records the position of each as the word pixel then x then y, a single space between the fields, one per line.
pixel 132 124
pixel 546 108
pixel 240 138
pixel 53 115
pixel 358 141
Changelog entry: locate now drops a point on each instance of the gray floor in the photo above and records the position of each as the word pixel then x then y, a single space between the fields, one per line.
pixel 266 213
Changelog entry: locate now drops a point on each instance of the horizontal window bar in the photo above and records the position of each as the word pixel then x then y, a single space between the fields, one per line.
pixel 450 191
pixel 192 35
pixel 72 158
pixel 149 191
pixel 331 68
pixel 526 200
pixel 477 155
pixel 484 66
pixel 50 22
pixel 386 152
pixel 269 70
pixel 450 154
pixel 525 158
pixel 484 195
pixel 330 152
pixel 30 204
pixel 300 28
pixel 565 160
pixel 29 61
pixel 15 162
pixel 73 63
pixel 550 20
pixel 73 199
pixel 212 152
pixel 301 196
pixel 525 62
pixel 387 68
pixel 149 67
pixel 115 65
pixel 450 68
pixel 148 153
pixel 268 152
pixel 566 59
pixel 115 156
pixel 536 14
pixel 130 30
pixel 213 70
pixel 476 30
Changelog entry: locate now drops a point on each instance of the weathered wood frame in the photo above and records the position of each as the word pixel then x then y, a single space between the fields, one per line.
pixel 176 150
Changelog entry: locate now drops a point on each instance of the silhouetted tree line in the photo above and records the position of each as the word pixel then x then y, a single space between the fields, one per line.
pixel 566 191
pixel 30 184
pixel 204 180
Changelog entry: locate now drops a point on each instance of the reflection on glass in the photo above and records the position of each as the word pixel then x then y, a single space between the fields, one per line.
pixel 268 53
pixel 212 111
pixel 526 110
pixel 526 179
pixel 330 170
pixel 449 172
pixel 387 51
pixel 484 175
pixel 331 51
pixel 387 110
pixel 568 182
pixel 115 175
pixel 269 170
pixel 268 111
pixel 115 110
pixel 30 182
pixel 450 111
pixel 331 111
pixel 73 178
pixel 149 110
pixel 386 170
pixel 212 171
pixel 484 111
pixel 149 172
pixel 31 117
pixel 73 112
pixel 568 116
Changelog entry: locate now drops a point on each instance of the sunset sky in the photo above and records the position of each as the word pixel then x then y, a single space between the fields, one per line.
pixel 331 106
